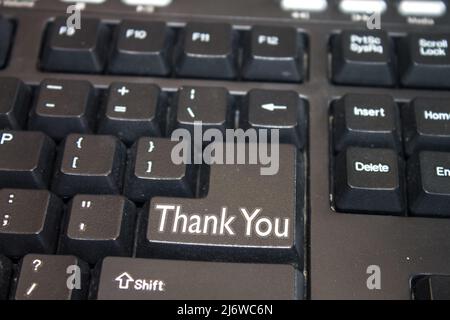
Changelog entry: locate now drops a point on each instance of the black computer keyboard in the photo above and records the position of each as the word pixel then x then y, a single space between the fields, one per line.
pixel 358 205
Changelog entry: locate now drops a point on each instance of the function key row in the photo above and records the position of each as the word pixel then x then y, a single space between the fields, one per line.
pixel 133 110
pixel 199 50
pixel 373 58
pixel 371 135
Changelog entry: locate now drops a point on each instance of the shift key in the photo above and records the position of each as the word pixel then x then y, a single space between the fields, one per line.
pixel 146 279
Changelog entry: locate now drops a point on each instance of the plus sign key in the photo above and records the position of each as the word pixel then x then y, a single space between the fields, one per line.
pixel 132 110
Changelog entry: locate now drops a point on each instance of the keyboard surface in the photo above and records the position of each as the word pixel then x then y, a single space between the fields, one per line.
pixel 356 210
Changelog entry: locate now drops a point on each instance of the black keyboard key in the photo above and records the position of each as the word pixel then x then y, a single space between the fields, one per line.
pixel 90 164
pixel 427 125
pixel 14 101
pixel 211 106
pixel 26 159
pixel 6 34
pixel 63 107
pixel 369 180
pixel 363 58
pixel 429 184
pixel 151 171
pixel 141 279
pixel 98 226
pixel 432 287
pixel 132 111
pixel 5 277
pixel 281 110
pixel 366 121
pixel 425 60
pixel 141 48
pixel 240 219
pixel 207 50
pixel 51 277
pixel 67 49
pixel 28 228
pixel 274 53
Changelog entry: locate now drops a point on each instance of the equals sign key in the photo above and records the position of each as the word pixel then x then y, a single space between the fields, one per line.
pixel 121 109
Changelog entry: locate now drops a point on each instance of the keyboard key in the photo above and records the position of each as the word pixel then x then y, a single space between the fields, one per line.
pixel 141 48
pixel 90 164
pixel 63 107
pixel 141 279
pixel 427 125
pixel 432 287
pixel 274 53
pixel 240 219
pixel 424 8
pixel 366 121
pixel 25 159
pixel 362 6
pixel 150 3
pixel 132 110
pixel 6 31
pixel 211 106
pixel 363 58
pixel 5 277
pixel 25 228
pixel 282 110
pixel 14 101
pixel 304 5
pixel 425 60
pixel 369 180
pixel 98 226
pixel 152 172
pixel 47 277
pixel 207 50
pixel 75 50
pixel 429 184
